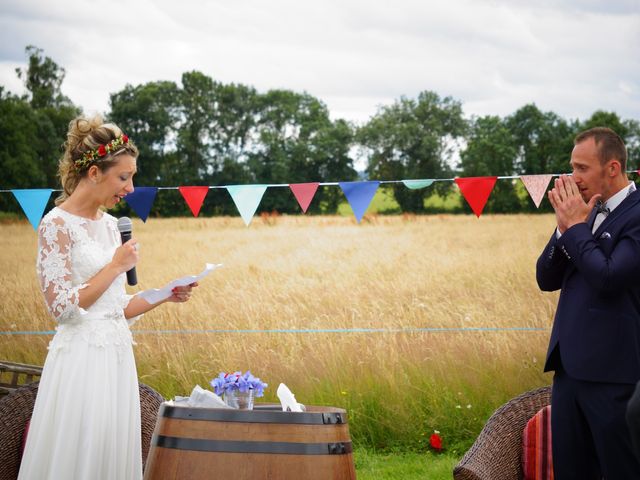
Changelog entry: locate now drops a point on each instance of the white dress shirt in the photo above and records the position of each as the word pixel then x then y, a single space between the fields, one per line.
pixel 611 204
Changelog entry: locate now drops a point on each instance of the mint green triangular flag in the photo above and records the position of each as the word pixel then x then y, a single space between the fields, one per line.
pixel 33 203
pixel 247 198
pixel 417 184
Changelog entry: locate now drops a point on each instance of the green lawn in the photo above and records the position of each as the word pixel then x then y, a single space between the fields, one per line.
pixel 403 466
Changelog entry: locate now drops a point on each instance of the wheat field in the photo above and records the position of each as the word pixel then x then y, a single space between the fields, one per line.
pixel 455 324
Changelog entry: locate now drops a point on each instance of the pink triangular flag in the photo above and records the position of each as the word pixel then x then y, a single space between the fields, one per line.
pixel 194 196
pixel 304 193
pixel 536 185
pixel 476 191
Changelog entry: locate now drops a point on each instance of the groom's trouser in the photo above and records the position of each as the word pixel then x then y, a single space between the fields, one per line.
pixel 590 437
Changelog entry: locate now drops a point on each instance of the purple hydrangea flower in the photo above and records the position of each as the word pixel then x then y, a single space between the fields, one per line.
pixel 226 382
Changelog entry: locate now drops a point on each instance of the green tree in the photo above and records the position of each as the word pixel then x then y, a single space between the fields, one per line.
pixel 611 120
pixel 633 144
pixel 19 165
pixel 296 141
pixel 413 139
pixel 543 139
pixel 33 127
pixel 43 79
pixel 629 130
pixel 149 114
pixel 198 109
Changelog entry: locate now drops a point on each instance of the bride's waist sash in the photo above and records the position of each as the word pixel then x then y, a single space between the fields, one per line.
pixel 100 328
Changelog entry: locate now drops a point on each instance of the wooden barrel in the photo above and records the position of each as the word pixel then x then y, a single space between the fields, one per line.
pixel 264 443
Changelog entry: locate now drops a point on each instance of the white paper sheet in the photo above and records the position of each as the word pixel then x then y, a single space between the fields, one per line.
pixel 155 295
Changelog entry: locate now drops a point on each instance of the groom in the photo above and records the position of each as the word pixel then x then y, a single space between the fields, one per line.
pixel 594 258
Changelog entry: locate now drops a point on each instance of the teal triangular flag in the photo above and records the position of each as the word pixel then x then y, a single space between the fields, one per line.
pixel 33 203
pixel 417 184
pixel 359 195
pixel 247 198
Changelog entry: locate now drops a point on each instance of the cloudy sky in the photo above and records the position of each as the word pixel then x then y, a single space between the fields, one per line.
pixel 568 56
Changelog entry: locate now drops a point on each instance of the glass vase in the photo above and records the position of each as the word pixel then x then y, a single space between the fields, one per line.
pixel 237 399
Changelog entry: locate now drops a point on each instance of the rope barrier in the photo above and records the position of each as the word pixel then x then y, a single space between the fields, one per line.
pixel 308 331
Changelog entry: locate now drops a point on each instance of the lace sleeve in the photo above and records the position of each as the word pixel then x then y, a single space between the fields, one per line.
pixel 54 271
pixel 126 298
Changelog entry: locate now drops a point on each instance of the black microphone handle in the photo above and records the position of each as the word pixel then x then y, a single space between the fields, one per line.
pixel 132 278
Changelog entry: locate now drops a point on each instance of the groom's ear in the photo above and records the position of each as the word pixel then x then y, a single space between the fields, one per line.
pixel 613 168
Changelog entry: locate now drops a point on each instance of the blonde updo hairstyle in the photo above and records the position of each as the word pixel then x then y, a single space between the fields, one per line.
pixel 85 135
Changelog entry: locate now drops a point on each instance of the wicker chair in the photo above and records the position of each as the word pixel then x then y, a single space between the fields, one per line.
pixel 14 375
pixel 16 409
pixel 497 452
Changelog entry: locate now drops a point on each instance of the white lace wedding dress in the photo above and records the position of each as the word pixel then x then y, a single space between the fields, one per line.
pixel 86 420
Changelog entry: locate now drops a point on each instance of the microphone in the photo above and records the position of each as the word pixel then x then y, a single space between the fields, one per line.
pixel 124 225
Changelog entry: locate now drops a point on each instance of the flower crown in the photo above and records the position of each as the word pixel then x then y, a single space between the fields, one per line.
pixel 102 150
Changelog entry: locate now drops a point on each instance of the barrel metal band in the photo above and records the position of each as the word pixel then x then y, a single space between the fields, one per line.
pixel 229 446
pixel 253 416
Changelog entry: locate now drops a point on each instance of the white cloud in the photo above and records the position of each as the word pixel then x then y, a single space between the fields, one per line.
pixel 571 57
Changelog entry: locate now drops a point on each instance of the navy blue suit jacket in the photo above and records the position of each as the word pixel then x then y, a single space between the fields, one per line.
pixel 597 322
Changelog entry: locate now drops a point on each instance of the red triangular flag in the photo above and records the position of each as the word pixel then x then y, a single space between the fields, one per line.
pixel 476 191
pixel 304 193
pixel 194 196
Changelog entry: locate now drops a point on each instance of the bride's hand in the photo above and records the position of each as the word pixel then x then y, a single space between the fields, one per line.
pixel 126 256
pixel 182 294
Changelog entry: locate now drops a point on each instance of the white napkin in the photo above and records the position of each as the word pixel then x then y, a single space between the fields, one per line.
pixel 201 398
pixel 288 400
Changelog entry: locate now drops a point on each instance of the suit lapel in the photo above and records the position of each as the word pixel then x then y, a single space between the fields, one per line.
pixel 592 218
pixel 632 199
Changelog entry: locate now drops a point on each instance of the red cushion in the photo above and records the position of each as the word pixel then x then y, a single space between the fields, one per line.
pixel 24 436
pixel 537 462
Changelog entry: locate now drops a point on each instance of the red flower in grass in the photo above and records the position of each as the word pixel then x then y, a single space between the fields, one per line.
pixel 435 441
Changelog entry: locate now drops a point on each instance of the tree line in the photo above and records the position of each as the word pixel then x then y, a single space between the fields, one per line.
pixel 205 132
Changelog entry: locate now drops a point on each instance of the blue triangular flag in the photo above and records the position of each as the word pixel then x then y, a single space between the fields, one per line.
pixel 359 195
pixel 247 198
pixel 33 203
pixel 141 200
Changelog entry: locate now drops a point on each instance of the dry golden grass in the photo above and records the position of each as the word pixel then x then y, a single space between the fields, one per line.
pixel 327 272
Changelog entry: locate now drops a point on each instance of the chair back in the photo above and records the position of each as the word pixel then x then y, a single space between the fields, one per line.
pixel 16 409
pixel 13 375
pixel 497 452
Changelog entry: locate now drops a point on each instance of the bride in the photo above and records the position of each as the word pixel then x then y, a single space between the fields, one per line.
pixel 86 419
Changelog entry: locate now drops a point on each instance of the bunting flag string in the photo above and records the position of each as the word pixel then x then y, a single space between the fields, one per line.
pixel 399 330
pixel 475 190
